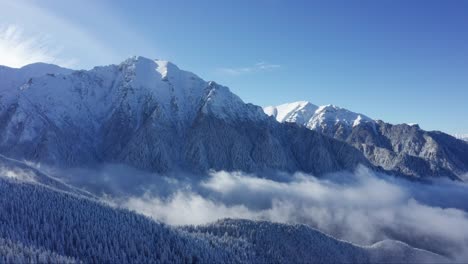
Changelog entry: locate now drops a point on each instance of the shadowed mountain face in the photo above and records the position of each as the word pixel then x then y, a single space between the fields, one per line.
pixel 403 148
pixel 411 150
pixel 154 116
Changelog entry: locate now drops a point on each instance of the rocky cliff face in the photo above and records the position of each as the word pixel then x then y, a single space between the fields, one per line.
pixel 152 115
pixel 403 148
pixel 411 150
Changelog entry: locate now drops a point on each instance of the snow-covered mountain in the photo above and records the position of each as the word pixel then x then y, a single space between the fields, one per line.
pixel 327 119
pixel 404 148
pixel 44 225
pixel 152 115
pixel 12 78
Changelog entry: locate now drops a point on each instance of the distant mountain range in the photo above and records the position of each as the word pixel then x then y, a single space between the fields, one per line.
pixel 403 148
pixel 152 115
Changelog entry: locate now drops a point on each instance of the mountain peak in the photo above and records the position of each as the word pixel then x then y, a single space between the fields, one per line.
pixel 140 64
pixel 296 112
pixel 12 79
pixel 314 117
pixel 134 60
pixel 38 65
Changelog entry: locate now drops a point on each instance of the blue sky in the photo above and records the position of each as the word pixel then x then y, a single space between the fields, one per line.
pixel 399 61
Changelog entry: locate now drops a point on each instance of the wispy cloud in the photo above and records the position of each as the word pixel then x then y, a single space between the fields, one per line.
pixel 18 48
pixel 258 67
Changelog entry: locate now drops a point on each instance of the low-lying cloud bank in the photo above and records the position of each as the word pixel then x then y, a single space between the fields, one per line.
pixel 363 207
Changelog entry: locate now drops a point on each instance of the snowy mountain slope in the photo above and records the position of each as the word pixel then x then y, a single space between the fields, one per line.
pixel 154 116
pixel 13 78
pixel 326 119
pixel 10 168
pixel 391 251
pixel 63 227
pixel 11 252
pixel 298 112
pixel 403 148
pixel 285 243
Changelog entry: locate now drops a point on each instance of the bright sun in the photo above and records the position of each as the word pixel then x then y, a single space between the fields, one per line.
pixel 17 49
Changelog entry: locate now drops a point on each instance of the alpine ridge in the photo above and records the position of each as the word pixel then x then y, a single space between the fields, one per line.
pixel 151 115
pixel 404 148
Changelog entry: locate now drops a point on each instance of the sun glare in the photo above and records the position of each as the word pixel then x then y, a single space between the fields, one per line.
pixel 17 49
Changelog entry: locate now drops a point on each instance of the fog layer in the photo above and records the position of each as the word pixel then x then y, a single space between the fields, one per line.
pixel 362 207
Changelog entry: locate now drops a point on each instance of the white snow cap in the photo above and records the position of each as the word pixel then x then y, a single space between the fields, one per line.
pixel 312 116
